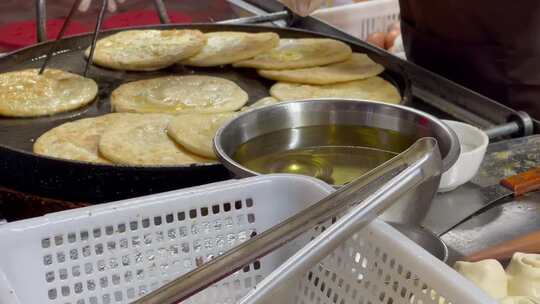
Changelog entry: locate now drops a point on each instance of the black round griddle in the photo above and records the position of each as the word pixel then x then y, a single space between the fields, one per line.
pixel 23 171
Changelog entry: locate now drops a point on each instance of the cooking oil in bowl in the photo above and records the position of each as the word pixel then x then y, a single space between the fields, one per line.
pixel 332 164
pixel 336 154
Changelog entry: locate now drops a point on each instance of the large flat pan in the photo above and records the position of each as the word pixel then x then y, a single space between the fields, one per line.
pixel 24 171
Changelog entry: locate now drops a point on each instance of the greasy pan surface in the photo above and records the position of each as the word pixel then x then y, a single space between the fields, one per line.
pixel 22 170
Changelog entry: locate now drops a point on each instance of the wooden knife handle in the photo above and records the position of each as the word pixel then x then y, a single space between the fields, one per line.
pixel 524 182
pixel 529 243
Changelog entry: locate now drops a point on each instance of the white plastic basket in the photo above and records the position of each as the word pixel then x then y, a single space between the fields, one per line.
pixel 375 266
pixel 116 252
pixel 363 18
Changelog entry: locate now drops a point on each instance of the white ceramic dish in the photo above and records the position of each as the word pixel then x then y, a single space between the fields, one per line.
pixel 473 142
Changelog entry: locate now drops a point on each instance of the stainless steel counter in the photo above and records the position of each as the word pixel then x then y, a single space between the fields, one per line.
pixel 500 223
pixel 508 218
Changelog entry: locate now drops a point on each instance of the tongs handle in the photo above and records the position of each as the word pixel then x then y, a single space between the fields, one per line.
pixel 41 25
pixel 42 32
pixel 97 29
pixel 41 20
pixel 162 12
pixel 41 17
pixel 286 15
pixel 396 176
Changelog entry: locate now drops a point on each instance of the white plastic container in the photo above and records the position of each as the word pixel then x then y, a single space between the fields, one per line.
pixel 116 252
pixel 473 142
pixel 363 18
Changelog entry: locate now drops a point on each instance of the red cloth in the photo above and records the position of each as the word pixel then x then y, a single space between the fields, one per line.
pixel 140 18
pixel 16 35
pixel 20 34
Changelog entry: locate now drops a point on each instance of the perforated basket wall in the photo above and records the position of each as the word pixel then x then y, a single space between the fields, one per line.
pixel 117 252
pixel 362 19
pixel 375 266
pixel 362 270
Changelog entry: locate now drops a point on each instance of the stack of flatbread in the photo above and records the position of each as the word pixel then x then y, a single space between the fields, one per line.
pixel 172 120
pixel 321 68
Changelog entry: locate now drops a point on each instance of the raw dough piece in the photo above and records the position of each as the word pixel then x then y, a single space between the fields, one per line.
pixel 196 132
pixel 488 275
pixel 78 140
pixel 26 94
pixel 524 275
pixel 227 47
pixel 147 50
pixel 179 94
pixel 299 53
pixel 358 66
pixel 144 142
pixel 261 103
pixel 374 89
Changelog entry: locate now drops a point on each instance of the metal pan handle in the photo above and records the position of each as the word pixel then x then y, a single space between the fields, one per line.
pixel 369 195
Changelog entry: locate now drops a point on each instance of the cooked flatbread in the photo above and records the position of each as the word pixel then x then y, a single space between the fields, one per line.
pixel 374 88
pixel 299 53
pixel 179 94
pixel 147 50
pixel 26 94
pixel 78 140
pixel 196 132
pixel 358 66
pixel 144 142
pixel 261 103
pixel 227 47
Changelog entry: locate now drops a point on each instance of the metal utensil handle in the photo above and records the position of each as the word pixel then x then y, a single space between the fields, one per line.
pixel 41 20
pixel 353 221
pixel 41 17
pixel 406 170
pixel 162 12
pixel 97 29
pixel 520 124
pixel 282 15
pixel 66 23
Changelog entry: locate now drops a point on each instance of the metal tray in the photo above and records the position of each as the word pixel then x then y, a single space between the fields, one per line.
pixel 24 171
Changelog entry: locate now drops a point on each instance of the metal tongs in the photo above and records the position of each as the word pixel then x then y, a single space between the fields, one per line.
pixel 368 195
pixel 42 21
pixel 161 10
pixel 40 6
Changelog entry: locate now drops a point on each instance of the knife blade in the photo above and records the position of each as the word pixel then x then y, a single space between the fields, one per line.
pixel 503 251
pixel 451 209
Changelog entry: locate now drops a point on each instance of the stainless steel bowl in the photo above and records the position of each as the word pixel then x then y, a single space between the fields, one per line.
pixel 425 239
pixel 415 124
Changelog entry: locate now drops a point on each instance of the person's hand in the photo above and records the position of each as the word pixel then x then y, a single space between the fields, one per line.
pixel 111 5
pixel 303 7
